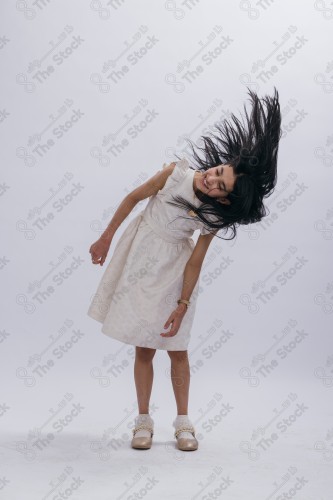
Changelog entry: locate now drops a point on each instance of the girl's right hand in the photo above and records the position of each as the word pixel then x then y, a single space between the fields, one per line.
pixel 99 251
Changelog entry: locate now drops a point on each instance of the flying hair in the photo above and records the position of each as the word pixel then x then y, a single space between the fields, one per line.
pixel 251 148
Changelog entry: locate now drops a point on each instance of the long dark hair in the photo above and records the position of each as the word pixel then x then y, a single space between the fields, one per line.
pixel 252 151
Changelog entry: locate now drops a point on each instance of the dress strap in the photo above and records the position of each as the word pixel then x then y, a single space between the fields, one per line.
pixel 178 174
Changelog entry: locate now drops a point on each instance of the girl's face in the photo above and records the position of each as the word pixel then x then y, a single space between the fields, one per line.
pixel 216 182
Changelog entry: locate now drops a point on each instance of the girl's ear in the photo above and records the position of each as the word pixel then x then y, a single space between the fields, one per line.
pixel 224 201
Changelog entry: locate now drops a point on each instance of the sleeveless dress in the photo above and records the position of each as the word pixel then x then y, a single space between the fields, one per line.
pixel 144 278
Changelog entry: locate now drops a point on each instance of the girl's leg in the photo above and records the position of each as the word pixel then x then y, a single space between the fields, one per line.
pixel 180 376
pixel 143 374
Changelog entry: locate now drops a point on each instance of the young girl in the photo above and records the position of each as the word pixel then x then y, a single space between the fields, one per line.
pixel 151 282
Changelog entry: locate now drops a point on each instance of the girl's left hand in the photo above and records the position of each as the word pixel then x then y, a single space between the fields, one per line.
pixel 175 318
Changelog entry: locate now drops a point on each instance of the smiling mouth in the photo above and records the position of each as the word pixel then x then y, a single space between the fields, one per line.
pixel 203 181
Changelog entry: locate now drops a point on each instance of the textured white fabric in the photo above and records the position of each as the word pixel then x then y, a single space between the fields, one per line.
pixel 146 419
pixel 144 278
pixel 183 421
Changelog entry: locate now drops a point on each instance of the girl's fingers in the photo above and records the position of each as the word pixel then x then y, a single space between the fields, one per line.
pixel 174 319
pixel 169 334
pixel 166 325
pixel 173 330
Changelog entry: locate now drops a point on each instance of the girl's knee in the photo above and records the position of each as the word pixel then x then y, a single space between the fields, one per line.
pixel 178 356
pixel 144 353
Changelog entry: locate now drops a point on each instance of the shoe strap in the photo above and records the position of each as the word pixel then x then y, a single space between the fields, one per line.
pixel 143 427
pixel 185 429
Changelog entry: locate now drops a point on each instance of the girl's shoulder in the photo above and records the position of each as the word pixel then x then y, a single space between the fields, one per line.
pixel 177 175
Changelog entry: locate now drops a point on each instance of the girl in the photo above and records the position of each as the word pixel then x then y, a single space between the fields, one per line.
pixel 151 281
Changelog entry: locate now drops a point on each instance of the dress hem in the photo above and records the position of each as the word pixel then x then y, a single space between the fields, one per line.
pixel 138 345
pixel 100 320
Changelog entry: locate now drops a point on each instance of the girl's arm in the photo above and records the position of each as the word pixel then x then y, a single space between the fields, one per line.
pixel 100 248
pixel 193 267
pixel 147 189
pixel 191 275
pixel 124 209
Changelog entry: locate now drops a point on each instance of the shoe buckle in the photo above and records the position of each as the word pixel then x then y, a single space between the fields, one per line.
pixel 185 429
pixel 143 427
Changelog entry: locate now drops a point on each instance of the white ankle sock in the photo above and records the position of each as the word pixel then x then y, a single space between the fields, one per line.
pixel 140 419
pixel 183 421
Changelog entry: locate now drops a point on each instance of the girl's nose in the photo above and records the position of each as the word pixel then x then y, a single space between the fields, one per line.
pixel 210 182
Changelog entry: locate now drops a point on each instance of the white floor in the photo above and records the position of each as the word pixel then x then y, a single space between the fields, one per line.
pixel 245 452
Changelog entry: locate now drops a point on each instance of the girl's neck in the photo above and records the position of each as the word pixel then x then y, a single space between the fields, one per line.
pixel 199 194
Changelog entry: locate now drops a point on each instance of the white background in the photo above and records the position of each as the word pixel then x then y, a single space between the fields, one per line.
pixel 261 401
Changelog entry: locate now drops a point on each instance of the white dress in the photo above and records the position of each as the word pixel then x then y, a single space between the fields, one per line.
pixel 144 278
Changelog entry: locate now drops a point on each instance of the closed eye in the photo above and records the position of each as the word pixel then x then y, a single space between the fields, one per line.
pixel 217 173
